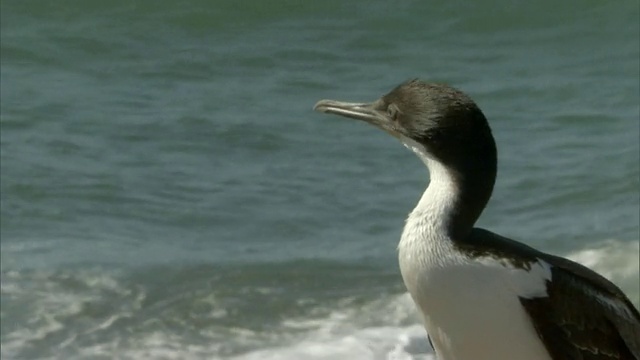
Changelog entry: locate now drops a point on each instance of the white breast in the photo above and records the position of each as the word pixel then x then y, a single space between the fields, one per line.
pixel 470 307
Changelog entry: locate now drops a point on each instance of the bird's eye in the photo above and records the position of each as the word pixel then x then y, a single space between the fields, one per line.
pixel 392 111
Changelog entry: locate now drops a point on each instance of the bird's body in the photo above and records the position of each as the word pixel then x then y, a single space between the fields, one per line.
pixel 468 304
pixel 483 296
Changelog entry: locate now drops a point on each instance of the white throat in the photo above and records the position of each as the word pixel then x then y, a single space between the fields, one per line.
pixel 425 242
pixel 434 209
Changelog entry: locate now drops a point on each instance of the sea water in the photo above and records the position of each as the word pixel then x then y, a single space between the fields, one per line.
pixel 167 191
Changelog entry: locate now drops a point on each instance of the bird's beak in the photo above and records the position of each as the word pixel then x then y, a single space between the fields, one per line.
pixel 368 112
pixel 359 111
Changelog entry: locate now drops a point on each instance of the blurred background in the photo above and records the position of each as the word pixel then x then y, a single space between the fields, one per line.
pixel 168 193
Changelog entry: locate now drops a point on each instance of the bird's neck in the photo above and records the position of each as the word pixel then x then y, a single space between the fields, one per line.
pixel 456 196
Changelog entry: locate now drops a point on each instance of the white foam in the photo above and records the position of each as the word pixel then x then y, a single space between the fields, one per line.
pixel 612 258
pixel 52 306
pixel 340 335
pixel 391 343
pixel 618 261
pixel 386 328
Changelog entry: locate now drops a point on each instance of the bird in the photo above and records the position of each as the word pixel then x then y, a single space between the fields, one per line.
pixel 480 295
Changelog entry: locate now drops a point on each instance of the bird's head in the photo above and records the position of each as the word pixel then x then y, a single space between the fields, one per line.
pixel 435 120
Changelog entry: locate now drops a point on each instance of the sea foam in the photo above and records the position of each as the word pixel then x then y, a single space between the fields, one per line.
pixel 61 323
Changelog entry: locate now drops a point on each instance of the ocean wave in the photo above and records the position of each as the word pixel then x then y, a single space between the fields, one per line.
pixel 93 313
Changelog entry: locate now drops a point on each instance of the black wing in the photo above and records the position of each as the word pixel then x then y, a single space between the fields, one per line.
pixel 584 317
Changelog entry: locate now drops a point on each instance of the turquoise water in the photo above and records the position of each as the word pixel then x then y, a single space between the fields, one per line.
pixel 168 193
